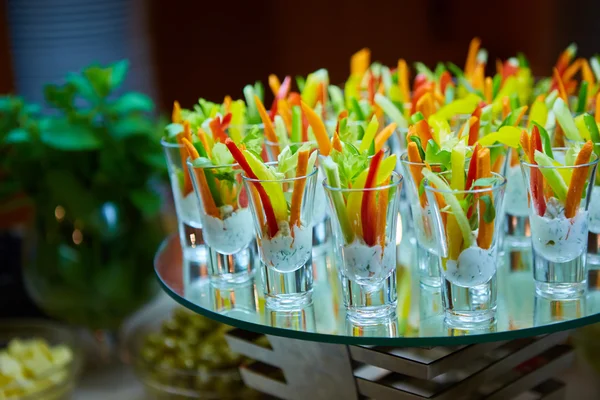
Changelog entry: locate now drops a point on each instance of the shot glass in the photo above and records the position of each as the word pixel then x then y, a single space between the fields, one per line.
pixel 517 231
pixel 427 247
pixel 469 247
pixel 226 222
pixel 186 205
pixel 559 240
pixel 284 241
pixel 367 262
pixel 321 223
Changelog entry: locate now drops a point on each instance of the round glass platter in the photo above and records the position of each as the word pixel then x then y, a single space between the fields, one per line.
pixel 419 319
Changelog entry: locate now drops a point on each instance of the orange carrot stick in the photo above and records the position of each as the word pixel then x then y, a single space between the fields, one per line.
pixel 525 141
pixel 505 106
pixel 264 116
pixel 415 170
pixel 382 204
pixel 283 109
pixel 403 79
pixel 204 140
pixel 571 70
pixel 561 86
pixel 487 90
pixel 471 62
pixel 227 103
pixel 486 230
pixel 318 129
pixel 578 180
pixel 299 184
pixel 176 114
pixel 207 200
pixel 185 135
pixel 500 68
pixel 219 134
pixel 336 144
pixel 384 135
pixel 521 114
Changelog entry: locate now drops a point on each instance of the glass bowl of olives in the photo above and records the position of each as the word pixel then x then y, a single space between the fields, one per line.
pixel 186 357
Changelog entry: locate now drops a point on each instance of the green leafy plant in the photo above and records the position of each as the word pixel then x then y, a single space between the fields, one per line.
pixel 88 163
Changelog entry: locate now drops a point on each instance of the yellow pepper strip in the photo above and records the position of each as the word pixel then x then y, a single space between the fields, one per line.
pixel 369 135
pixel 562 93
pixel 486 230
pixel 453 237
pixel 264 116
pixel 360 61
pixel 403 79
pixel 525 142
pixel 284 110
pixel 457 160
pixel 471 62
pixel 204 140
pixel 487 89
pixel 384 135
pixel 586 73
pixel 355 198
pixel 274 84
pixel 176 114
pixel 318 128
pixel 597 114
pixel 538 113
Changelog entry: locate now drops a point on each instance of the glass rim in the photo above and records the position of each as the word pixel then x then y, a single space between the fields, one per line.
pixel 190 163
pixel 284 180
pixel 495 187
pixel 164 143
pixel 593 161
pixel 395 183
pixel 404 160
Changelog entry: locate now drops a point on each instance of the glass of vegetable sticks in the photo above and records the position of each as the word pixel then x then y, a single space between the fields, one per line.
pixel 465 222
pixel 427 250
pixel 558 183
pixel 186 205
pixel 226 220
pixel 282 205
pixel 364 219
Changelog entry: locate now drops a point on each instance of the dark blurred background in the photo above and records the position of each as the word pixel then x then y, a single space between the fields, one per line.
pixel 184 49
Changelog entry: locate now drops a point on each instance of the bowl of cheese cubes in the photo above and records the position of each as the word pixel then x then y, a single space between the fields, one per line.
pixel 38 360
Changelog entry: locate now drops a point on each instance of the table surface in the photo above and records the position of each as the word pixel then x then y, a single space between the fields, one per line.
pixel 419 321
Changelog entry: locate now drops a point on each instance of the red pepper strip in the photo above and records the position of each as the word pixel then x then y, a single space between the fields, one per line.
pixel 281 94
pixel 371 88
pixel 420 92
pixel 509 69
pixel 266 202
pixel 420 80
pixel 445 80
pixel 368 218
pixel 217 130
pixel 226 121
pixel 472 176
pixel 537 180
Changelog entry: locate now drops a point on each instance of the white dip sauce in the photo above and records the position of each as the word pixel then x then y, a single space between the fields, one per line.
pixel 475 266
pixel 594 210
pixel 188 208
pixel 556 238
pixel 230 234
pixel 285 253
pixel 367 265
pixel 515 199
